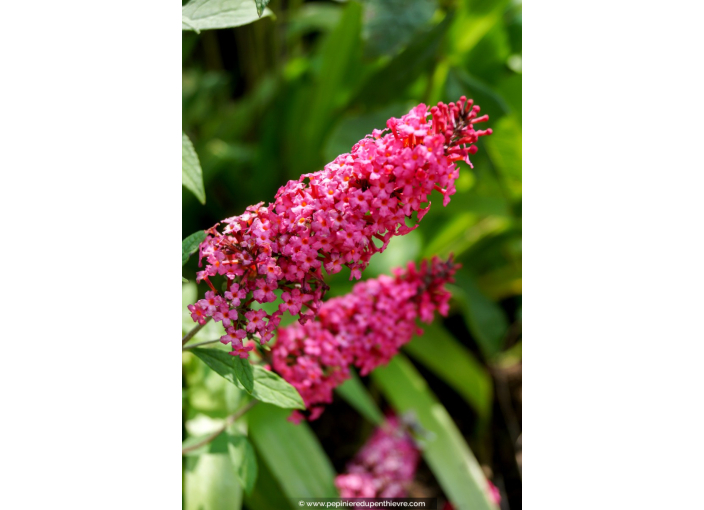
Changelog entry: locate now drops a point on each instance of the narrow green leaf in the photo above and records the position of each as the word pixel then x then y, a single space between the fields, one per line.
pixel 484 318
pixel 269 387
pixel 340 57
pixel 292 453
pixel 453 363
pixel 261 5
pixel 262 384
pixel 354 392
pixel 190 245
pixel 184 280
pixel 232 368
pixel 445 452
pixel 505 147
pixel 244 461
pixel 212 14
pixel 191 173
pixel 210 483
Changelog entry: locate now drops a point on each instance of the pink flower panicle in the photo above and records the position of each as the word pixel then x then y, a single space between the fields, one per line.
pixel 364 328
pixel 339 216
pixel 384 466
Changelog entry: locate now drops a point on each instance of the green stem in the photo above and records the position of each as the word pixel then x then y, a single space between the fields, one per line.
pixel 192 346
pixel 228 421
pixel 193 332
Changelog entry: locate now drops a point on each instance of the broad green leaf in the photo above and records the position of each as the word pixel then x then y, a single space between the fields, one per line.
pixel 232 368
pixel 382 87
pixel 265 385
pixel 190 245
pixel 211 483
pixel 452 362
pixel 292 453
pixel 485 319
pixel 389 24
pixel 445 452
pixel 261 5
pixel 354 392
pixel 191 173
pixel 269 387
pixel 243 460
pixel 244 373
pixel 211 14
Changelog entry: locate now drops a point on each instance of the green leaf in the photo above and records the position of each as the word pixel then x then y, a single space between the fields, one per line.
pixel 191 173
pixel 232 368
pixel 244 461
pixel 190 245
pixel 269 387
pixel 402 69
pixel 505 145
pixel 265 385
pixel 212 14
pixel 184 280
pixel 460 83
pixel 261 4
pixel 244 372
pixel 390 24
pixel 485 319
pixel 292 453
pixel 453 363
pixel 340 57
pixel 354 392
pixel 211 484
pixel 267 493
pixel 446 452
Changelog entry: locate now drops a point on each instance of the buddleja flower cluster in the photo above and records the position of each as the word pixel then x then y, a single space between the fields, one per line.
pixel 339 216
pixel 364 328
pixel 384 466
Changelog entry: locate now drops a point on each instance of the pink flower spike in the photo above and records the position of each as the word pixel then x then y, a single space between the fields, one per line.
pixel 384 466
pixel 365 328
pixel 332 217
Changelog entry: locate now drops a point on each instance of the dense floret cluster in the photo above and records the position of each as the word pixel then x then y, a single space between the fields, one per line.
pixel 384 466
pixel 339 216
pixel 364 328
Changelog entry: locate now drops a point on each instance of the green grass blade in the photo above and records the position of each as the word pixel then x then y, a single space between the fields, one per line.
pixel 356 395
pixel 439 351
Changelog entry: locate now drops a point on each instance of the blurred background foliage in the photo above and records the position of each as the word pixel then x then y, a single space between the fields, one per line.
pixel 268 101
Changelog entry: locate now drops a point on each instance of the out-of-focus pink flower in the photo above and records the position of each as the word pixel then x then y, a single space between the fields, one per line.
pixel 494 493
pixel 384 466
pixel 341 215
pixel 365 328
